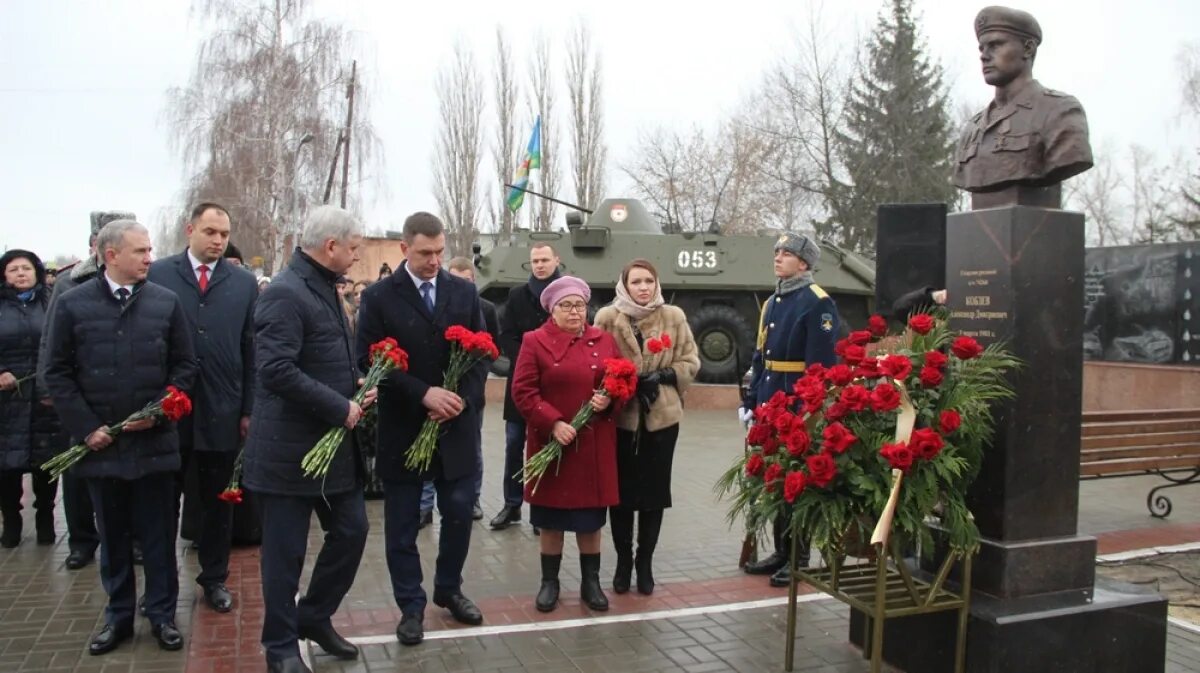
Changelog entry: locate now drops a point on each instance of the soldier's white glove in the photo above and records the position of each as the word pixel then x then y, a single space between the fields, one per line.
pixel 745 416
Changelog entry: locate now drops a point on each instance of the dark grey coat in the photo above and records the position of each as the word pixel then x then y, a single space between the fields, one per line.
pixel 305 378
pixel 222 323
pixel 108 362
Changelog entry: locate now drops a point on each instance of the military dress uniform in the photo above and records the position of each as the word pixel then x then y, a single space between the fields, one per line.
pixel 798 327
pixel 1039 138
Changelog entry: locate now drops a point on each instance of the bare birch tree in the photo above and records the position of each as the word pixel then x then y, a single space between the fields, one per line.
pixel 504 151
pixel 584 89
pixel 459 149
pixel 541 103
pixel 257 124
pixel 1097 194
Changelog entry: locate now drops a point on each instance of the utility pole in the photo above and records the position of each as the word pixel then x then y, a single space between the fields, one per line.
pixel 346 133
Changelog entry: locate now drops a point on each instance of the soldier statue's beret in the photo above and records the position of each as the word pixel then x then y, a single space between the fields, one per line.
pixel 800 246
pixel 1009 20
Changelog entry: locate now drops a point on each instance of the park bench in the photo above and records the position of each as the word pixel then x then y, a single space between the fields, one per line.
pixel 1164 442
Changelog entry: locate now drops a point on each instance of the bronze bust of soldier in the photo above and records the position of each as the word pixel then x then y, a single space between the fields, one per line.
pixel 1029 138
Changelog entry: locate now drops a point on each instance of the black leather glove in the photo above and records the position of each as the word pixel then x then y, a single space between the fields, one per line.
pixel 647 388
pixel 666 376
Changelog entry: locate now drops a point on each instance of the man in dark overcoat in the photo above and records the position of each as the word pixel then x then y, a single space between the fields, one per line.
pixel 116 343
pixel 415 305
pixel 798 327
pixel 305 379
pixel 82 538
pixel 218 300
pixel 522 313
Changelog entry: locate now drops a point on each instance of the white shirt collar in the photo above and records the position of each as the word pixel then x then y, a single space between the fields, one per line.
pixel 113 286
pixel 417 281
pixel 196 264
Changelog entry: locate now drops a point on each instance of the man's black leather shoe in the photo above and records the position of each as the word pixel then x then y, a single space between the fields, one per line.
pixel 507 516
pixel 411 630
pixel 109 638
pixel 330 641
pixel 476 511
pixel 289 665
pixel 168 637
pixel 461 608
pixel 77 559
pixel 767 566
pixel 218 597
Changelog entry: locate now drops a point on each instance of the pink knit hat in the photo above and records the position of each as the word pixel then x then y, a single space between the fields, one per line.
pixel 564 287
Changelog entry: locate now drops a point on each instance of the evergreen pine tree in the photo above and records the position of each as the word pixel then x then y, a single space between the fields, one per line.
pixel 897 141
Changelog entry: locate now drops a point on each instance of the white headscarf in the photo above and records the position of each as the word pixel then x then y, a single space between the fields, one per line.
pixel 625 303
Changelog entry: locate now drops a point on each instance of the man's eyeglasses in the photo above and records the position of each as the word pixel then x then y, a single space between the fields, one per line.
pixel 572 308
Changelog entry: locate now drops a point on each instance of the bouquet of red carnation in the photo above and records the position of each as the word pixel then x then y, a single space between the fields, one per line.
pixel 466 349
pixel 233 492
pixel 385 355
pixel 173 406
pixel 659 344
pixel 619 384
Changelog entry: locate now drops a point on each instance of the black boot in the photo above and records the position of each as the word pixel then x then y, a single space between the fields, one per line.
pixel 45 526
pixel 11 537
pixel 547 596
pixel 649 526
pixel 44 491
pixel 589 589
pixel 622 534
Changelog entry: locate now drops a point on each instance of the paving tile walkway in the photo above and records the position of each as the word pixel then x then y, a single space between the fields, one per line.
pixel 47 613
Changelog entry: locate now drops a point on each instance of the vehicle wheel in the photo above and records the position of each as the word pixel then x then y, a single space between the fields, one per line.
pixel 725 341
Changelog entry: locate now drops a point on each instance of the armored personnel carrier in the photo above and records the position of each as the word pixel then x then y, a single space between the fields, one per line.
pixel 720 282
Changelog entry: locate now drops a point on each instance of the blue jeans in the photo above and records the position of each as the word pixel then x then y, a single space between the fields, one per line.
pixel 427 491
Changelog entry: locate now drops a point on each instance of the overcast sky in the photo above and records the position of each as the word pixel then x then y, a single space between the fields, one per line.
pixel 82 84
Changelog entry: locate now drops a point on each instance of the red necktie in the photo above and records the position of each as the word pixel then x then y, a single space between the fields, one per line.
pixel 203 277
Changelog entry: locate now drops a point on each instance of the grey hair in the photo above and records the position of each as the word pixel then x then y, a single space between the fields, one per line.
pixel 328 222
pixel 113 235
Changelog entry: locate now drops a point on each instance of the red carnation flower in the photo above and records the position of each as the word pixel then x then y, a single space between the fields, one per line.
pixel 665 339
pixel 836 412
pixel 931 377
pixel 898 455
pixel 926 443
pixel 877 325
pixel 758 434
pixel 949 421
pixel 838 438
pixel 921 323
pixel 885 397
pixel 176 404
pixel 655 346
pixel 816 371
pixel 772 476
pixel 798 442
pixel 965 348
pixel 231 495
pixel 860 338
pixel 868 369
pixel 793 485
pixel 936 359
pixel 854 354
pixel 855 397
pixel 821 469
pixel 754 465
pixel 896 366
pixel 840 375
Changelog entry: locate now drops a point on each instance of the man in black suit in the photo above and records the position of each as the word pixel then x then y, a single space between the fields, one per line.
pixel 116 343
pixel 218 300
pixel 415 305
pixel 523 313
pixel 304 381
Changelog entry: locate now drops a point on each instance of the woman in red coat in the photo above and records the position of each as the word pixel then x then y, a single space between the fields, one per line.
pixel 559 369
